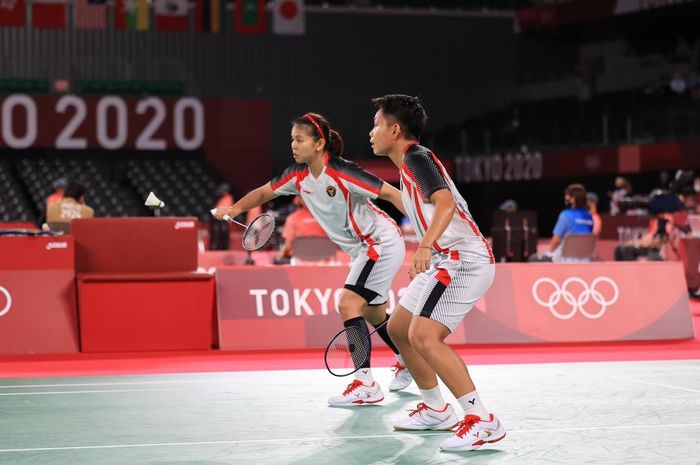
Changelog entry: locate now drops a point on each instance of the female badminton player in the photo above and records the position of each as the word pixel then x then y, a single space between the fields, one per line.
pixel 339 195
pixel 452 268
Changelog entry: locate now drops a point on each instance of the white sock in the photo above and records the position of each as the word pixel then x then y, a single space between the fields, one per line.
pixel 365 375
pixel 399 359
pixel 433 398
pixel 471 404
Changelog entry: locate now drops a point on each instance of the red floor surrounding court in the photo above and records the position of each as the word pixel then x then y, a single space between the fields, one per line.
pixel 26 366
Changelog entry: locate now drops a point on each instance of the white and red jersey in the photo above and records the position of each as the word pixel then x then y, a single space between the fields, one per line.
pixel 422 174
pixel 341 201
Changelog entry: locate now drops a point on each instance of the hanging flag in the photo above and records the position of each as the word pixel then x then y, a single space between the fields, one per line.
pixel 90 14
pixel 288 17
pixel 171 15
pixel 49 14
pixel 12 13
pixel 213 16
pixel 249 17
pixel 132 15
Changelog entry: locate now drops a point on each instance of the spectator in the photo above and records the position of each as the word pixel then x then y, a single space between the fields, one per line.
pixel 59 187
pixel 70 207
pixel 623 189
pixel 592 202
pixel 576 219
pixel 299 223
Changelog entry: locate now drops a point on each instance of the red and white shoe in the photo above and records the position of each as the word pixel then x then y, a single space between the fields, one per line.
pixel 358 393
pixel 402 378
pixel 425 417
pixel 473 432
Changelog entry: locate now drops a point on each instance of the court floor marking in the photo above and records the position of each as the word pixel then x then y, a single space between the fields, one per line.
pixel 136 383
pixel 331 438
pixel 650 383
pixel 101 391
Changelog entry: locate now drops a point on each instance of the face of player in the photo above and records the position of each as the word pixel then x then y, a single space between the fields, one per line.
pixel 305 147
pixel 382 135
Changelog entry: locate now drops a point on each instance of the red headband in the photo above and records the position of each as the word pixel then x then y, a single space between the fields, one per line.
pixel 318 128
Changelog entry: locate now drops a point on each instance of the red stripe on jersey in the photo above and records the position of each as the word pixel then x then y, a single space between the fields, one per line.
pixel 408 172
pixel 476 231
pixel 300 178
pixel 372 253
pixel 283 181
pixel 383 213
pixel 357 182
pixel 443 276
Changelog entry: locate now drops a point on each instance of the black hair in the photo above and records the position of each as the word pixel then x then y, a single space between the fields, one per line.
pixel 334 142
pixel 406 110
pixel 74 190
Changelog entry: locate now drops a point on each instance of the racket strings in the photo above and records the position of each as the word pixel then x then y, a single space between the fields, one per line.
pixel 259 232
pixel 348 352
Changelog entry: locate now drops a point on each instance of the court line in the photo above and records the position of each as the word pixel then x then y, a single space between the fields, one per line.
pixel 135 383
pixel 92 392
pixel 329 438
pixel 650 383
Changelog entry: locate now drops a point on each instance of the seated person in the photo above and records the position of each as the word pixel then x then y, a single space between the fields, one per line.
pixel 70 207
pixel 576 219
pixel 649 245
pixel 298 223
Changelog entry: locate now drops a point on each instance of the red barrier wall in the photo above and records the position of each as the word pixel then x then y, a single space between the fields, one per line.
pixel 37 295
pixel 294 307
pixel 140 312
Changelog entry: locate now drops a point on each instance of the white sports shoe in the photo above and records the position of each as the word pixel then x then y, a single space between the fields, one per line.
pixel 424 417
pixel 402 378
pixel 358 393
pixel 473 432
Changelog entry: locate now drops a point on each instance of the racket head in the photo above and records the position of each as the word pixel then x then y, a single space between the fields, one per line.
pixel 347 352
pixel 258 232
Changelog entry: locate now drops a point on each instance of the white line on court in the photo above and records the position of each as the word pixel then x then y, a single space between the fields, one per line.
pixel 655 384
pixel 331 438
pixel 135 383
pixel 92 392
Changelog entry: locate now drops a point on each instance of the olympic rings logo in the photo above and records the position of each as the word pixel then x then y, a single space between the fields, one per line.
pixel 578 304
pixel 8 297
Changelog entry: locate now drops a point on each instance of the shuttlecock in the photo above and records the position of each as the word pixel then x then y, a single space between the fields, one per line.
pixel 153 201
pixel 213 211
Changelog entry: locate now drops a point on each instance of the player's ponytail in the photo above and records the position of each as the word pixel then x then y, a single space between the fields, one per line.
pixel 321 129
pixel 335 144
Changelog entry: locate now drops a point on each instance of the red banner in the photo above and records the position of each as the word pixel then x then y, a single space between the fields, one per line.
pixel 295 307
pixel 37 295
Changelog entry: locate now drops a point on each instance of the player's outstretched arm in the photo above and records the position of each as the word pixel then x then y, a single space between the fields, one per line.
pixel 393 195
pixel 252 199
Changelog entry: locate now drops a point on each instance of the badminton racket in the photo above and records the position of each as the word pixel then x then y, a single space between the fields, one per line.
pixel 257 233
pixel 348 351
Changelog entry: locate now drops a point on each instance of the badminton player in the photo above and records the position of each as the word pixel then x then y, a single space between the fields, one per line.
pixel 451 269
pixel 339 195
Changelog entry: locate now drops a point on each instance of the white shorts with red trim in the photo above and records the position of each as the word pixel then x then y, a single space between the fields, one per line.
pixel 448 290
pixel 374 268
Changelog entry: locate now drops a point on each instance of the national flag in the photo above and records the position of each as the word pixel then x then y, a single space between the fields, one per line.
pixel 49 14
pixel 171 15
pixel 132 15
pixel 90 14
pixel 213 16
pixel 249 17
pixel 12 13
pixel 288 17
